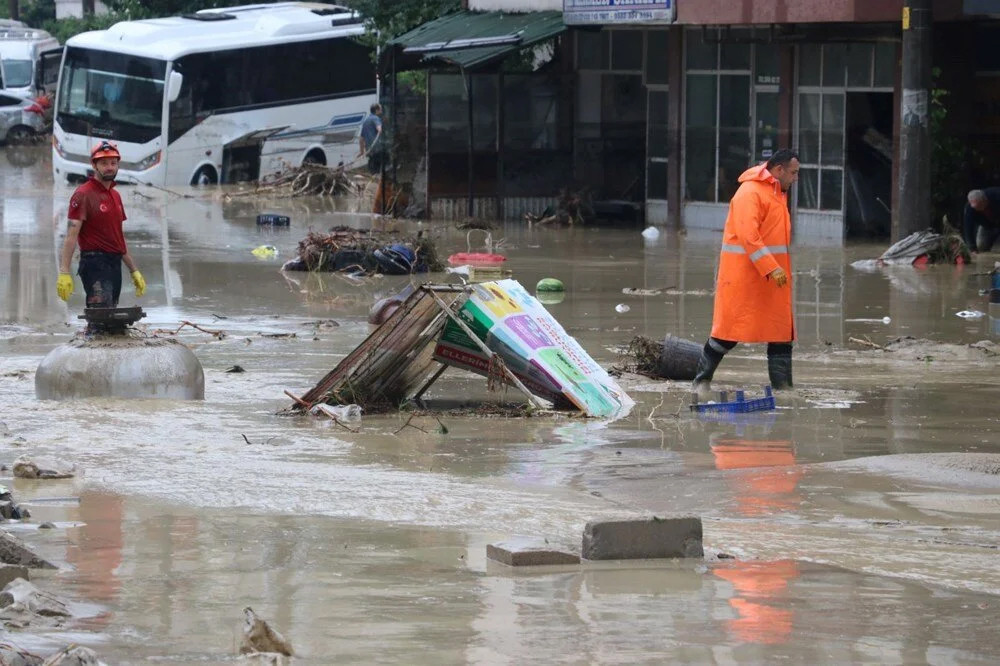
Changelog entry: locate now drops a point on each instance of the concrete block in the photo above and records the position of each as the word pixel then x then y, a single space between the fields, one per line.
pixel 9 572
pixel 643 538
pixel 529 553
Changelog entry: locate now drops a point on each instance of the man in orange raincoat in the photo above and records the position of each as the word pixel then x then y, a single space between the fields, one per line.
pixel 753 300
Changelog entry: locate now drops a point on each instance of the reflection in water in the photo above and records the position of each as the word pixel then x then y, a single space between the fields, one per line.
pixel 759 600
pixel 95 550
pixel 770 487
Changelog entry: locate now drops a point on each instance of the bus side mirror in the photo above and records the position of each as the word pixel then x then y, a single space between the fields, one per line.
pixel 174 86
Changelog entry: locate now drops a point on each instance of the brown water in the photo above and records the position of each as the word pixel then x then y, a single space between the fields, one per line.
pixel 370 547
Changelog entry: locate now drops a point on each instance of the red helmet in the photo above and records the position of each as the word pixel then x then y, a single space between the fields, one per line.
pixel 104 149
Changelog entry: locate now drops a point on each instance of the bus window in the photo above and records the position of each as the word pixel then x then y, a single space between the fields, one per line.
pixel 119 93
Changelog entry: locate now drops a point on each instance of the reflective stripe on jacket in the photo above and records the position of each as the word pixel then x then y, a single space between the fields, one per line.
pixel 749 306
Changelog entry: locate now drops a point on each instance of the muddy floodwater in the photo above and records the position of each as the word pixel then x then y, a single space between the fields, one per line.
pixel 841 539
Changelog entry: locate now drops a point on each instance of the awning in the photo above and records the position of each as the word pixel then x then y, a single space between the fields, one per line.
pixel 470 40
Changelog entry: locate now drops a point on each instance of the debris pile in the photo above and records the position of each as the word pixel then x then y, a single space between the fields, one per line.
pixel 365 252
pixel 309 179
pixel 921 248
pixel 673 358
pixel 494 329
pixel 570 209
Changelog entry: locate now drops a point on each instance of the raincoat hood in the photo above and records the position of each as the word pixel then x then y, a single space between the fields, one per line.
pixel 758 173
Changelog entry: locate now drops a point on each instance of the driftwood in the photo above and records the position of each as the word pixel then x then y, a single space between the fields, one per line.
pixel 867 343
pixel 309 179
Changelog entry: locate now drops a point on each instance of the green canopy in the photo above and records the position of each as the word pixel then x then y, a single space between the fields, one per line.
pixel 470 39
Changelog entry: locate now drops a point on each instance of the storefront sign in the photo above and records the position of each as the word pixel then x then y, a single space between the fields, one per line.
pixel 615 12
pixel 533 345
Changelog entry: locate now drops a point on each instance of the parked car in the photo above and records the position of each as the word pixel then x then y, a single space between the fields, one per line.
pixel 21 120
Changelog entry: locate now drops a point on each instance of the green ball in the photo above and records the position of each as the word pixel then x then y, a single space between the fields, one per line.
pixel 549 284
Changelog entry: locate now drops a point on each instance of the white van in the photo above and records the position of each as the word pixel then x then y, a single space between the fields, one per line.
pixel 29 61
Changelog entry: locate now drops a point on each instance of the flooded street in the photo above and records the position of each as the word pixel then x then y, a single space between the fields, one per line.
pixel 841 541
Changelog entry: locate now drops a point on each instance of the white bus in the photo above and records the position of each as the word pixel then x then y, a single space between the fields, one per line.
pixel 29 60
pixel 217 96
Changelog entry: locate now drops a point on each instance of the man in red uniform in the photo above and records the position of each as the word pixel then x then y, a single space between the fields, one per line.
pixel 95 216
pixel 753 300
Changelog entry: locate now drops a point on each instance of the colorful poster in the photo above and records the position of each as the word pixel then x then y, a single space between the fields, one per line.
pixel 534 346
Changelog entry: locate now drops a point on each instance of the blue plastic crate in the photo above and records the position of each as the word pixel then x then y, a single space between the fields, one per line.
pixel 739 406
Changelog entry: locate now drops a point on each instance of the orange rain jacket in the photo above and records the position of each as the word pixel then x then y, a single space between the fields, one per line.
pixel 749 306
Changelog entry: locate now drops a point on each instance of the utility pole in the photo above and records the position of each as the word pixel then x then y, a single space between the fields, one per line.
pixel 14 9
pixel 914 135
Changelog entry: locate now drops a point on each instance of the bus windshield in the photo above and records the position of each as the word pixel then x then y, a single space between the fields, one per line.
pixel 111 95
pixel 16 73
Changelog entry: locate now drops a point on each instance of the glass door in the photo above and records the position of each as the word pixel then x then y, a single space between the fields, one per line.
pixel 656 144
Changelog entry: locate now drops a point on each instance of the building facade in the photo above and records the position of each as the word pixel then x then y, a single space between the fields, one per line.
pixel 663 103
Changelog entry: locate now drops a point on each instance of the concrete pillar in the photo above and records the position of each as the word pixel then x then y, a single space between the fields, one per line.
pixel 914 109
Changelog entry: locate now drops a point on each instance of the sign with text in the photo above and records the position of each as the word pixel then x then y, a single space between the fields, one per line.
pixel 616 12
pixel 534 346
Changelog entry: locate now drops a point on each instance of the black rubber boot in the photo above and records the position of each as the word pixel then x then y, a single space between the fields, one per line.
pixel 779 370
pixel 707 364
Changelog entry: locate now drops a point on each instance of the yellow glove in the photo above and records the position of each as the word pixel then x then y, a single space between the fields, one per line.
pixel 780 277
pixel 64 286
pixel 140 284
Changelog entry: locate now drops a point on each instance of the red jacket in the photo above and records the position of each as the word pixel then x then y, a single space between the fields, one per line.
pixel 749 306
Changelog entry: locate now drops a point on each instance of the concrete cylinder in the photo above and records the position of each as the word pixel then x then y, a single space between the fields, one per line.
pixel 120 366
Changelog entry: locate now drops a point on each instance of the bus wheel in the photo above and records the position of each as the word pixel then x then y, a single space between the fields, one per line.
pixel 315 156
pixel 205 176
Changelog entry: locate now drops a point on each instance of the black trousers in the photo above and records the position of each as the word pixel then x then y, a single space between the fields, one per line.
pixel 721 347
pixel 101 274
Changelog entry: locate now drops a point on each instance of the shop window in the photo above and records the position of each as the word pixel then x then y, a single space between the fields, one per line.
pixel 808 188
pixel 591 49
pixel 767 70
pixel 859 65
pixel 734 56
pixel 821 150
pixel 656 145
pixel 700 54
pixel 810 64
pixel 656 57
pixel 834 65
pixel 809 119
pixel 626 50
pixel 718 131
pixel 832 141
pixel 831 189
pixel 885 65
pixel 734 132
pixel 700 146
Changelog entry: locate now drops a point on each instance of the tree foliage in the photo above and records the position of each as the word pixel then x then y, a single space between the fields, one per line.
pixel 386 19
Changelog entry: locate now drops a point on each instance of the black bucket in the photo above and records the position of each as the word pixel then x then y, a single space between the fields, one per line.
pixel 679 358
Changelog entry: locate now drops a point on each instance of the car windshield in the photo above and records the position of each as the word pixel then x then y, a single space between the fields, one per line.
pixel 16 73
pixel 112 90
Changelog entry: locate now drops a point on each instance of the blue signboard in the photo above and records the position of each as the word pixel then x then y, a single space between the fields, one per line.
pixel 611 12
